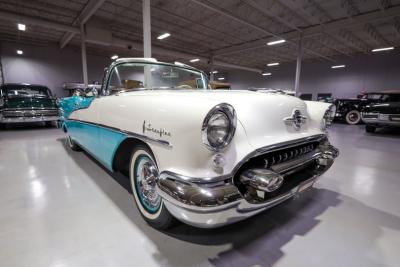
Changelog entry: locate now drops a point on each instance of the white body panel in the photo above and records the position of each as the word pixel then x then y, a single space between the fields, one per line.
pixel 181 113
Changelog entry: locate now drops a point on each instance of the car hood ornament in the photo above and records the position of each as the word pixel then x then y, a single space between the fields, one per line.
pixel 296 120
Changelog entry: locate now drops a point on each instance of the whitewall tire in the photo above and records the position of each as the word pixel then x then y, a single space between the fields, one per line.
pixel 143 174
pixel 353 117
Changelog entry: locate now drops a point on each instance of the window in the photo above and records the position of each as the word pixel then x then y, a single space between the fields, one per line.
pixel 306 96
pixel 146 76
pixel 391 98
pixel 19 91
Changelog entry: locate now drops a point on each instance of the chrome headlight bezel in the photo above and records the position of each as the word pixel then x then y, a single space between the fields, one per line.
pixel 328 117
pixel 230 114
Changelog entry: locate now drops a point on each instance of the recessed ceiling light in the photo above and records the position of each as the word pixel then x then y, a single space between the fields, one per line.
pixel 273 64
pixel 338 66
pixel 20 52
pixel 21 27
pixel 221 78
pixel 114 57
pixel 382 49
pixel 163 36
pixel 266 73
pixel 276 42
pixel 194 60
pixel 215 71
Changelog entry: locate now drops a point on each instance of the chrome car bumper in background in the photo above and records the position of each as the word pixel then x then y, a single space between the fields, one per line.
pixel 219 202
pixel 381 119
pixel 28 115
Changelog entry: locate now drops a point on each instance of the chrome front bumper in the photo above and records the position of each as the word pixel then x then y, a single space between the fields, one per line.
pixel 220 202
pixel 381 119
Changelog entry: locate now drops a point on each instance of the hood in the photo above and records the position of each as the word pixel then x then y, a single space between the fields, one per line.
pixel 30 102
pixel 261 114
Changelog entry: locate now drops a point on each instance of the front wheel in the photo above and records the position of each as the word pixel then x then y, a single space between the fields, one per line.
pixel 143 173
pixel 353 117
pixel 370 128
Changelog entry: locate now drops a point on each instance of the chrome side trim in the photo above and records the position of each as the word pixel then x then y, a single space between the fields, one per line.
pixel 128 133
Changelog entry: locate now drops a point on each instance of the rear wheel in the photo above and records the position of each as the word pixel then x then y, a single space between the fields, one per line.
pixel 74 146
pixel 3 126
pixel 143 173
pixel 370 128
pixel 353 117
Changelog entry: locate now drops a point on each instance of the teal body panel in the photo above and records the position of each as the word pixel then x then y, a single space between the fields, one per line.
pixel 69 104
pixel 100 142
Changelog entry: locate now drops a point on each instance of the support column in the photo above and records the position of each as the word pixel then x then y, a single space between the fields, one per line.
pixel 146 29
pixel 147 41
pixel 84 62
pixel 212 69
pixel 298 68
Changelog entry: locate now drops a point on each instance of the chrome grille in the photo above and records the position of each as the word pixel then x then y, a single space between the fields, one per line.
pixel 30 113
pixel 292 153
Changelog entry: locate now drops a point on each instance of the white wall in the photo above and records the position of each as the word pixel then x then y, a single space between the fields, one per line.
pixel 374 72
pixel 49 66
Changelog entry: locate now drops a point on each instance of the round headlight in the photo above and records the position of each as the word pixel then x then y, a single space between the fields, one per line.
pixel 219 127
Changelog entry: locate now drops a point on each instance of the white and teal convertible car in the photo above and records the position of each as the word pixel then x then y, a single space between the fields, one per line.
pixel 207 158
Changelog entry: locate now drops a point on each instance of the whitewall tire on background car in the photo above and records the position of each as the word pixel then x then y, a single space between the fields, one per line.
pixel 143 173
pixel 353 117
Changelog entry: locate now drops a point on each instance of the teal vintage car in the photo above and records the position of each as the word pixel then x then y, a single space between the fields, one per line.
pixel 20 103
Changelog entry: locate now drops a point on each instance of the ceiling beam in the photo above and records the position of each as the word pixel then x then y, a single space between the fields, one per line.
pixel 116 42
pixel 233 17
pixel 376 35
pixel 383 4
pixel 315 16
pixel 270 13
pixel 317 30
pixel 87 12
pixel 396 25
pixel 8 15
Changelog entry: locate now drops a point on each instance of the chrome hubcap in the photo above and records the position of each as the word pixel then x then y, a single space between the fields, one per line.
pixel 146 182
pixel 353 117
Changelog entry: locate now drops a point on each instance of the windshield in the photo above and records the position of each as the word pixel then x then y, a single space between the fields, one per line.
pixel 372 96
pixel 142 76
pixel 26 91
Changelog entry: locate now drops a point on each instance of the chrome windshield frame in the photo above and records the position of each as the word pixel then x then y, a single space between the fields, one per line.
pixel 108 71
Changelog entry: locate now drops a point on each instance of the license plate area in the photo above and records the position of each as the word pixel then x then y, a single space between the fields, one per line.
pixel 384 117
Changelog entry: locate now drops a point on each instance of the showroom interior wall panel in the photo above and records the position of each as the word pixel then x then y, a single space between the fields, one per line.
pixel 49 66
pixel 372 72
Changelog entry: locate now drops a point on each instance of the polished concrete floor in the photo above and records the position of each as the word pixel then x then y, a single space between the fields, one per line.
pixel 60 208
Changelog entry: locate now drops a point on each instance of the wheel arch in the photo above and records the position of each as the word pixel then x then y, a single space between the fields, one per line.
pixel 123 154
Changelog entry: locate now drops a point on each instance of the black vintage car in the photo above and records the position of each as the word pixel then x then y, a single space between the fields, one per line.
pixel 27 103
pixel 349 110
pixel 386 113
